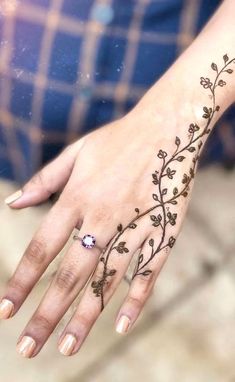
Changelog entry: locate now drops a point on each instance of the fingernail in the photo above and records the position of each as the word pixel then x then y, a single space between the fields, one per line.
pixel 12 198
pixel 67 345
pixel 123 325
pixel 26 346
pixel 6 308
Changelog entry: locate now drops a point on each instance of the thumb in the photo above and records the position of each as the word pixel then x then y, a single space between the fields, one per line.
pixel 50 179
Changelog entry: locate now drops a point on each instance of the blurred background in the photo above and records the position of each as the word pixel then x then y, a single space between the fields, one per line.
pixel 66 67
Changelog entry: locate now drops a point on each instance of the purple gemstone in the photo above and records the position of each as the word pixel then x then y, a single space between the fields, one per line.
pixel 88 241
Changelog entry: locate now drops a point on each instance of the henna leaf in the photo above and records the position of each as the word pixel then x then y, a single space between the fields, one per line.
pixel 173 201
pixel 162 154
pixel 229 71
pixel 151 242
pixel 191 128
pixel 217 108
pixel 172 218
pixel 191 149
pixel 159 217
pixel 120 248
pixel 164 191
pixel 156 220
pixel 146 273
pixel 122 243
pixel 225 57
pixel 185 179
pixel 97 286
pixel 137 210
pixel 133 225
pixel 112 272
pixel 214 67
pixel 180 158
pixel 191 171
pixel 177 141
pixel 155 197
pixel 171 242
pixel 140 259
pixel 155 178
pixel 102 259
pixel 175 191
pixel 170 173
pixel 156 224
pixel 207 112
pixel 185 194
pixel 119 227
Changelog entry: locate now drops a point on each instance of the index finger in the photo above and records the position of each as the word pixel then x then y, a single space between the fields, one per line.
pixel 48 241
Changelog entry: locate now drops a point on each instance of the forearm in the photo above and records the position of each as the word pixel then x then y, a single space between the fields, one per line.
pixel 181 83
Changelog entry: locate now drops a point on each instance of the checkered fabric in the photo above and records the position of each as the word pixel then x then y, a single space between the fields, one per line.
pixel 68 66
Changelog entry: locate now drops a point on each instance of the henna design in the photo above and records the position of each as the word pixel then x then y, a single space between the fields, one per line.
pixel 165 198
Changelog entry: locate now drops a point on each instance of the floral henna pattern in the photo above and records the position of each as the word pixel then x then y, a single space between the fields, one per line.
pixel 162 214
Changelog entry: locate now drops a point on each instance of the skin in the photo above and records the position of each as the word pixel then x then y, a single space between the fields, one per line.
pixel 102 178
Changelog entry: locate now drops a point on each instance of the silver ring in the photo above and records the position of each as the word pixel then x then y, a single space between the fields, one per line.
pixel 88 241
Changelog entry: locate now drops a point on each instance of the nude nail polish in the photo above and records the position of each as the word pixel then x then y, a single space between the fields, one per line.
pixel 123 325
pixel 12 198
pixel 6 308
pixel 26 346
pixel 67 344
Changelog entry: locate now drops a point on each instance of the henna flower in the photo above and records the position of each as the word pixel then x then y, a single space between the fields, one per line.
pixel 221 83
pixel 206 82
pixel 171 242
pixel 162 154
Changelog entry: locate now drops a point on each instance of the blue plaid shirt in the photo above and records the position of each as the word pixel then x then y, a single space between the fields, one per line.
pixel 68 66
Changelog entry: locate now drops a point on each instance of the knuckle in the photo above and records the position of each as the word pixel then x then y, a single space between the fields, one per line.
pixel 145 284
pixel 100 214
pixel 68 200
pixel 17 285
pixel 38 179
pixel 66 279
pixel 135 301
pixel 42 181
pixel 42 322
pixel 82 320
pixel 35 253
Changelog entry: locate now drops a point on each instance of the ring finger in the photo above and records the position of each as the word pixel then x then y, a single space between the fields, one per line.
pixel 107 276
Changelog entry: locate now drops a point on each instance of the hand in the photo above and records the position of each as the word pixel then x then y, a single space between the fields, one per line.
pixel 127 184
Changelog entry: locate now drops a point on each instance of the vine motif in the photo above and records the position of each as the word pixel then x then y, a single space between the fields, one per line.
pixel 164 201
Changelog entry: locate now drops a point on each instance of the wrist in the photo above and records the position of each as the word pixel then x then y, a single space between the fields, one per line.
pixel 180 91
pixel 186 90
